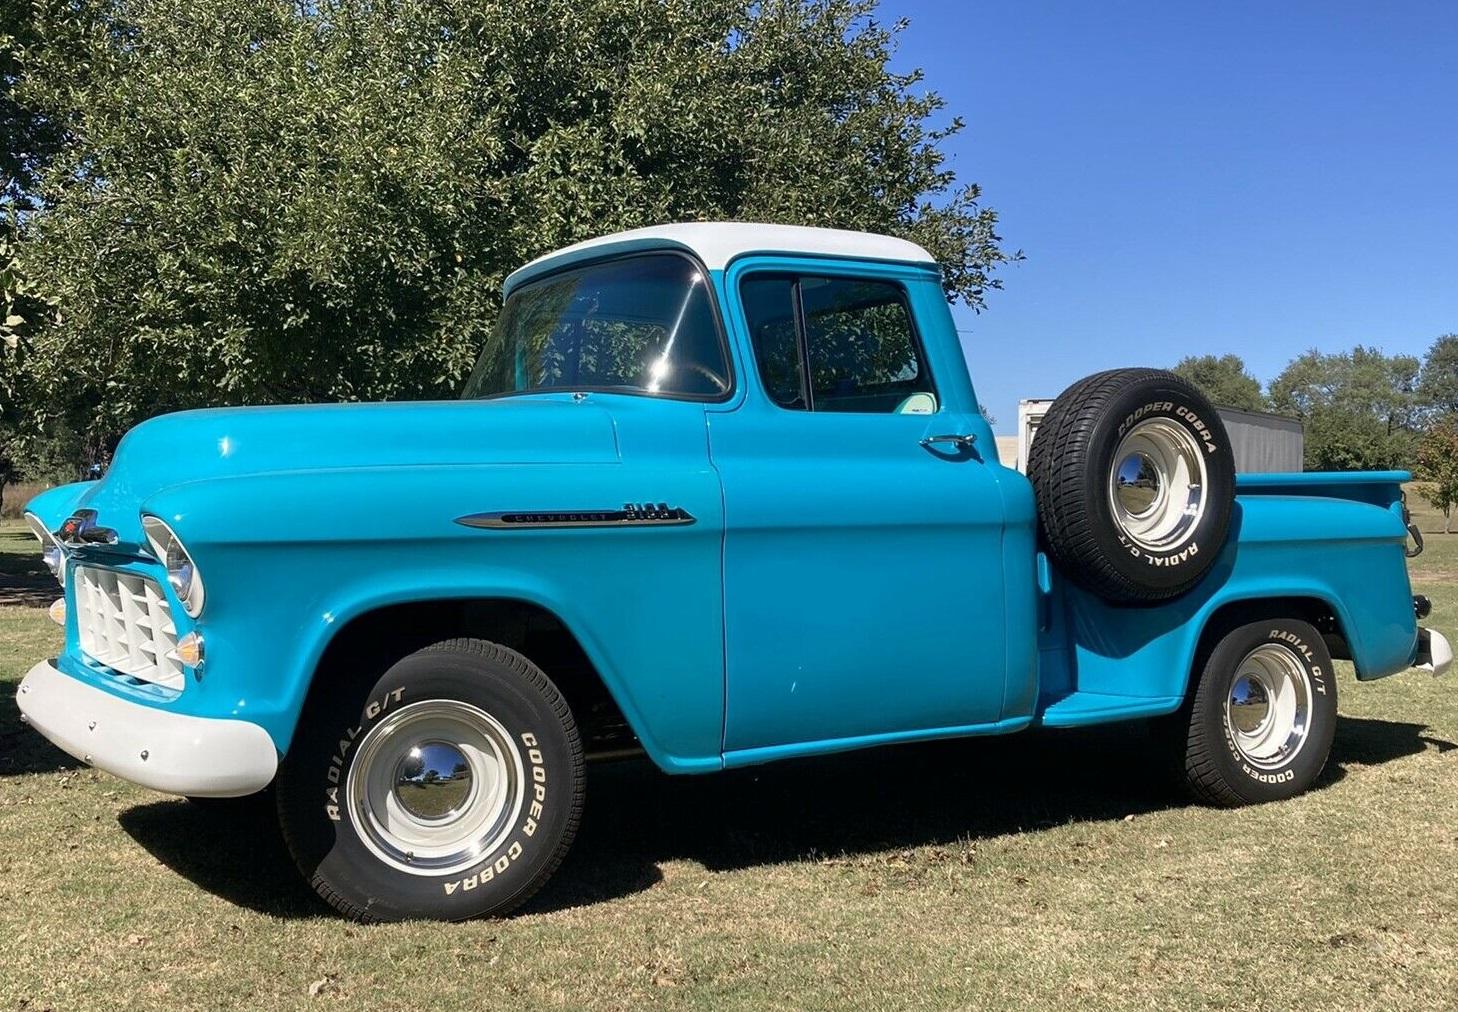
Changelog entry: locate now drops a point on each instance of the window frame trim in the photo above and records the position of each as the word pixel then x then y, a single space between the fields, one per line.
pixel 802 342
pixel 715 310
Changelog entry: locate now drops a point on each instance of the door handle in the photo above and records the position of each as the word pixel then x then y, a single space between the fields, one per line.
pixel 963 441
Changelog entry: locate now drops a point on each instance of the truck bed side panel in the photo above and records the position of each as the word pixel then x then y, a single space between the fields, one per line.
pixel 1343 552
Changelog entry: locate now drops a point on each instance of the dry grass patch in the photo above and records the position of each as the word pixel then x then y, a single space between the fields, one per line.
pixel 16 496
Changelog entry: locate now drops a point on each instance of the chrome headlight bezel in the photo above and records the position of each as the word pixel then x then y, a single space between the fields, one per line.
pixel 52 554
pixel 182 575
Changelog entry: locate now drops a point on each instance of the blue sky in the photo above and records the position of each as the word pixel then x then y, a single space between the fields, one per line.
pixel 1257 178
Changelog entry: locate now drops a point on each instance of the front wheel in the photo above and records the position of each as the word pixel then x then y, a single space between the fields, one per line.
pixel 1263 715
pixel 449 789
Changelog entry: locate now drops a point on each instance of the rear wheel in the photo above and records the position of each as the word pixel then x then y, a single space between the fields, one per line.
pixel 449 789
pixel 1263 715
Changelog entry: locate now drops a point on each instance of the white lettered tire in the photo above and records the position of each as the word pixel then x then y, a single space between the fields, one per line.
pixel 1135 484
pixel 1263 715
pixel 448 789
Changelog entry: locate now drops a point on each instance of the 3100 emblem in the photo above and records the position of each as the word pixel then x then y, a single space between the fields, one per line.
pixel 644 514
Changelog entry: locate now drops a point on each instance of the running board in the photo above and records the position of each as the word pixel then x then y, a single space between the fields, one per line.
pixel 1080 708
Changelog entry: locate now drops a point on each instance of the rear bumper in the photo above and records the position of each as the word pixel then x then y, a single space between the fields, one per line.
pixel 169 752
pixel 1434 654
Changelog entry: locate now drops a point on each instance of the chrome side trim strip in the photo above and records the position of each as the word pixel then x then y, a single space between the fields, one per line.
pixel 631 515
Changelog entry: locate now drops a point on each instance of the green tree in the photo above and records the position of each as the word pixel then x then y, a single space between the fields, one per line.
pixel 263 200
pixel 1438 385
pixel 1361 408
pixel 24 453
pixel 1438 467
pixel 1225 380
pixel 9 464
pixel 29 136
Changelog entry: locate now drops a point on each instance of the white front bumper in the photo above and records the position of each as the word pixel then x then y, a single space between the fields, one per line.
pixel 170 752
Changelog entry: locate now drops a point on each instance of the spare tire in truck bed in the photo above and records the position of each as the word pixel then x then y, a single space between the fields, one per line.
pixel 1135 481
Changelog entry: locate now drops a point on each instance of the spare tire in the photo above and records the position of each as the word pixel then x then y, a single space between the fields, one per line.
pixel 1135 481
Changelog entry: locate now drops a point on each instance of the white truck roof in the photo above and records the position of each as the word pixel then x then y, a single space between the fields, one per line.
pixel 716 243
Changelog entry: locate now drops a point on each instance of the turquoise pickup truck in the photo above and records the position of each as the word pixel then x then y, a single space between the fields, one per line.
pixel 719 494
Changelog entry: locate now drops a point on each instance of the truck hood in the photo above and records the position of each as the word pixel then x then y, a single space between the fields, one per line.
pixel 224 442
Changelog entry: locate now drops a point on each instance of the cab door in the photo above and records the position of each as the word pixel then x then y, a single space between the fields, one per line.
pixel 863 555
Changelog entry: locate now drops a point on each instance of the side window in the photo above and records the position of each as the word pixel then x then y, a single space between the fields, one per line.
pixel 860 345
pixel 769 306
pixel 853 337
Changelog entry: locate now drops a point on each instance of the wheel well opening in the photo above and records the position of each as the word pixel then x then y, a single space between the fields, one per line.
pixel 1314 610
pixel 370 643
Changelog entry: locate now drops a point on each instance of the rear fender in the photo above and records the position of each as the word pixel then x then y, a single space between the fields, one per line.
pixel 1346 556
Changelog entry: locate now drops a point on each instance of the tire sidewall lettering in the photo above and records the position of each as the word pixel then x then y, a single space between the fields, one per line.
pixel 1172 409
pixel 1277 777
pixel 533 809
pixel 1199 427
pixel 1141 413
pixel 1191 554
pixel 1159 560
pixel 1319 675
pixel 1072 467
pixel 526 827
pixel 1316 671
pixel 373 871
pixel 343 751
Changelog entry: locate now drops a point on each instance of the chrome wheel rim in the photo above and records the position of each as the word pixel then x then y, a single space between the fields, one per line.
pixel 1157 485
pixel 1268 710
pixel 435 787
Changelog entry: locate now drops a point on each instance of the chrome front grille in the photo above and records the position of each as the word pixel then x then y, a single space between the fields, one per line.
pixel 125 624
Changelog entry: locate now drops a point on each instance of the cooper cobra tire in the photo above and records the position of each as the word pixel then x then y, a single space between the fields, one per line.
pixel 1135 482
pixel 449 789
pixel 1263 715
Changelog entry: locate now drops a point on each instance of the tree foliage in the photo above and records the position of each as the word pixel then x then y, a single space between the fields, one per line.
pixel 1438 385
pixel 10 469
pixel 28 140
pixel 1224 379
pixel 31 134
pixel 1437 458
pixel 266 200
pixel 1361 408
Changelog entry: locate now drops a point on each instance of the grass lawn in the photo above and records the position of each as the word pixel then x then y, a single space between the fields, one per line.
pixel 1016 873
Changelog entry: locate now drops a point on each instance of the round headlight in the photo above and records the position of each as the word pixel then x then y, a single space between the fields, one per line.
pixel 51 553
pixel 181 570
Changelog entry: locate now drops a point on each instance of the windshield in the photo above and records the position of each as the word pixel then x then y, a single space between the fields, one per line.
pixel 642 325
